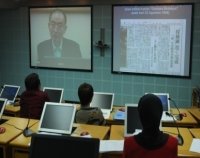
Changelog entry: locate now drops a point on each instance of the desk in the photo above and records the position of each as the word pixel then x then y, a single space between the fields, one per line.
pixel 195 132
pixel 12 110
pixel 195 112
pixel 117 133
pixel 111 120
pixel 12 132
pixel 20 145
pixel 188 121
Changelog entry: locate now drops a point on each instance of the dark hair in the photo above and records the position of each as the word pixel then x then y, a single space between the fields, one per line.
pixel 32 82
pixel 58 11
pixel 85 93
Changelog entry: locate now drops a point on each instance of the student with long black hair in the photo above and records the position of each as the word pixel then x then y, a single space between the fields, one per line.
pixel 32 99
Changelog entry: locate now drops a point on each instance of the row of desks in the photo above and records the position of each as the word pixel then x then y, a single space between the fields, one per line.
pixel 192 118
pixel 15 145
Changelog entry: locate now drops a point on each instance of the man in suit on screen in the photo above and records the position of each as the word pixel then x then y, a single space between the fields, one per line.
pixel 57 47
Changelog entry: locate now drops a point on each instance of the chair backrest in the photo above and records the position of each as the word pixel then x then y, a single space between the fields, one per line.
pixel 196 97
pixel 52 146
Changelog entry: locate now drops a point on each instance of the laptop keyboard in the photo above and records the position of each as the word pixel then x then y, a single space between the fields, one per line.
pixel 166 118
pixel 106 115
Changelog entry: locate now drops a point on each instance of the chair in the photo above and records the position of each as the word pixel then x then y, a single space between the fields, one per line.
pixel 52 146
pixel 196 97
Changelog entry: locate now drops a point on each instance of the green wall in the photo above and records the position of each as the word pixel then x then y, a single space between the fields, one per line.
pixel 14 62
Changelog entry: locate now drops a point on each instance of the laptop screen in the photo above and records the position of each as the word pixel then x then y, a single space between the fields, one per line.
pixel 9 92
pixel 51 146
pixel 132 120
pixel 102 100
pixel 164 97
pixel 57 118
pixel 2 105
pixel 55 94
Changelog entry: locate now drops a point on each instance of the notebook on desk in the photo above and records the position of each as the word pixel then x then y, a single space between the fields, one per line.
pixel 104 101
pixel 3 102
pixel 164 97
pixel 10 93
pixel 57 118
pixel 55 94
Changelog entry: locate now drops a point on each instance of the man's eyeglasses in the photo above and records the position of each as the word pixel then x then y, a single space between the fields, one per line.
pixel 54 24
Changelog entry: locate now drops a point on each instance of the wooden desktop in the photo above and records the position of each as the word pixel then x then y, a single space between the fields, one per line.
pixel 188 121
pixel 20 145
pixel 12 110
pixel 195 112
pixel 14 127
pixel 195 132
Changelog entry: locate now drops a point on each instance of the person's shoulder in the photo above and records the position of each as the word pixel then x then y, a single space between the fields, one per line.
pixel 46 42
pixel 69 41
pixel 23 94
pixel 130 140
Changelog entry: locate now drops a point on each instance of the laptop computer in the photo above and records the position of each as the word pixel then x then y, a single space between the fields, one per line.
pixel 132 124
pixel 52 146
pixel 104 101
pixel 55 94
pixel 164 97
pixel 57 118
pixel 10 93
pixel 3 102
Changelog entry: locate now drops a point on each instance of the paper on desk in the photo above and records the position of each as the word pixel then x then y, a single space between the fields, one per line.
pixel 111 145
pixel 195 146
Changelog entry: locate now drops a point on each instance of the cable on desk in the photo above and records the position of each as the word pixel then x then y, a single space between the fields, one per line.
pixel 14 126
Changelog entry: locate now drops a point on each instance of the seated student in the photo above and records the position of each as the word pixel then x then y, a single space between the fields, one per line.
pixel 87 114
pixel 32 99
pixel 151 142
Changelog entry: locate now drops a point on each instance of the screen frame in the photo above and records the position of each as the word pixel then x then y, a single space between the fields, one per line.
pixel 163 94
pixel 13 86
pixel 104 93
pixel 57 131
pixel 4 100
pixel 126 118
pixel 154 74
pixel 91 37
pixel 52 88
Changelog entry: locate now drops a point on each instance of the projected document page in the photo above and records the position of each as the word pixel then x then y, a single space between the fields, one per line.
pixel 160 48
pixel 152 39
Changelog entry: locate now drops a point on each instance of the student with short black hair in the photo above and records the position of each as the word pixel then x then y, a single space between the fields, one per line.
pixel 87 114
pixel 32 99
pixel 151 142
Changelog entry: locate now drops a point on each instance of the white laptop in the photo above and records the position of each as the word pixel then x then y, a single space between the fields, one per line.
pixel 104 101
pixel 132 124
pixel 10 93
pixel 57 118
pixel 3 102
pixel 164 97
pixel 55 94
